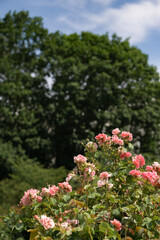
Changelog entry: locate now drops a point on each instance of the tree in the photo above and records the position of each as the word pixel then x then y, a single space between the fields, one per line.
pixel 24 102
pixel 99 84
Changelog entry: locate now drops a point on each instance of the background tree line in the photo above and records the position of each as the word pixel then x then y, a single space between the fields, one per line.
pixel 98 83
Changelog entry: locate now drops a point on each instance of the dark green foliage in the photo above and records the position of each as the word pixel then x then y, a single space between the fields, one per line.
pixel 26 175
pixel 23 89
pixel 100 84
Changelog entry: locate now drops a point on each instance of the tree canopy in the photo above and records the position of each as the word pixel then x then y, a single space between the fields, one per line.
pixel 98 83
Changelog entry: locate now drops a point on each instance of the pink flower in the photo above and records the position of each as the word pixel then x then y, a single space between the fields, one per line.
pixel 138 161
pixel 39 199
pixel 105 175
pixel 73 221
pixel 117 224
pixel 65 186
pixel 70 176
pixel 46 222
pixel 29 196
pixel 135 173
pixel 125 155
pixel 127 136
pixel 156 166
pixel 53 190
pixel 80 159
pixel 152 177
pixel 92 147
pixel 149 168
pixel 89 173
pixel 45 191
pixel 117 140
pixel 36 217
pixel 116 131
pixel 101 183
pixel 101 138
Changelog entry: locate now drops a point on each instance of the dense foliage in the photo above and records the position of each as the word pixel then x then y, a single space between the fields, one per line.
pixel 116 197
pixel 96 82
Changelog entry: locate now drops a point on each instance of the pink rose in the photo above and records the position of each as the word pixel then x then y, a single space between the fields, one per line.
pixel 102 183
pixel 116 131
pixel 117 140
pixel 92 147
pixel 80 159
pixel 105 175
pixel 117 224
pixel 135 173
pixel 65 186
pixel 127 136
pixel 102 138
pixel 152 177
pixel 138 161
pixel 70 176
pixel 125 155
pixel 29 196
pixel 149 168
pixel 46 222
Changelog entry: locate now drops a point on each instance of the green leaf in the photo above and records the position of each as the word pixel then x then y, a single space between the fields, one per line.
pixel 53 200
pixel 116 212
pixel 130 146
pixel 103 227
pixel 66 197
pixel 19 226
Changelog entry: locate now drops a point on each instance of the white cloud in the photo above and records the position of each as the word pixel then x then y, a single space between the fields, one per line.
pixel 134 20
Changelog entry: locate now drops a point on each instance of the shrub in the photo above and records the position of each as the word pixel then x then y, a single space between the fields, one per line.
pixel 117 197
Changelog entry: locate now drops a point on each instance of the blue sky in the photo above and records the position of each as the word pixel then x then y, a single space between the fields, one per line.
pixel 137 19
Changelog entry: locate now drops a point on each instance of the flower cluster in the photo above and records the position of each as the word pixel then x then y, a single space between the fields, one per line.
pixel 104 201
pixel 46 222
pixel 51 191
pixel 152 173
pixel 30 196
pixel 138 161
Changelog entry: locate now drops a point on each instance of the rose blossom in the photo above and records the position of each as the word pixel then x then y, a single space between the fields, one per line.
pixel 89 172
pixel 125 155
pixel 156 166
pixel 152 177
pixel 80 159
pixel 138 161
pixel 149 168
pixel 46 222
pixel 65 186
pixel 117 224
pixel 70 176
pixel 135 173
pixel 92 147
pixel 73 221
pixel 29 196
pixel 101 138
pixel 45 191
pixel 127 136
pixel 116 131
pixel 117 140
pixel 51 191
pixel 101 183
pixel 105 175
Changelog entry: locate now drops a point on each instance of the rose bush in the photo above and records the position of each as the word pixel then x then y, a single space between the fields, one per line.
pixel 114 196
